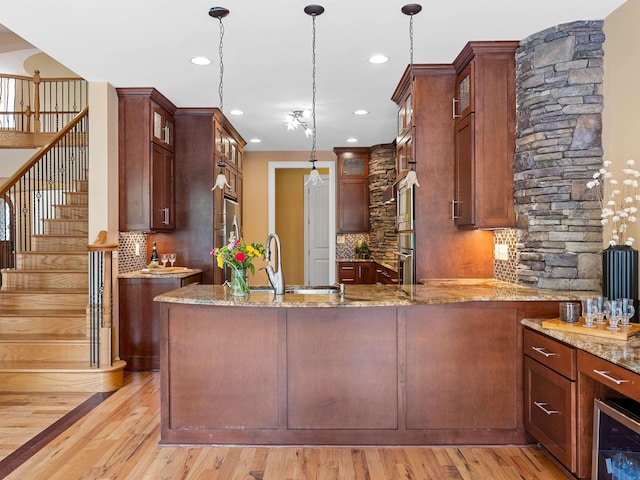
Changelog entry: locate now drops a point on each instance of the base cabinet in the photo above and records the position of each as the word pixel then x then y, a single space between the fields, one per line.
pixel 140 321
pixel 356 272
pixel 551 396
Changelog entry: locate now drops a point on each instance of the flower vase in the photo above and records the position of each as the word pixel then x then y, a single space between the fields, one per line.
pixel 239 284
pixel 620 274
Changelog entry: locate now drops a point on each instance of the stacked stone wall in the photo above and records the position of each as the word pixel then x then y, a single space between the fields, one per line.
pixel 382 175
pixel 559 100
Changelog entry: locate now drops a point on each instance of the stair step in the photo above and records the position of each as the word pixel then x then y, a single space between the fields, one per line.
pixel 72 212
pixel 44 348
pixel 12 300
pixel 60 377
pixel 59 243
pixel 82 185
pixel 77 198
pixel 68 322
pixel 52 260
pixel 52 279
pixel 57 226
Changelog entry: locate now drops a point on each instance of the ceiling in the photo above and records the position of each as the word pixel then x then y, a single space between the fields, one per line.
pixel 267 53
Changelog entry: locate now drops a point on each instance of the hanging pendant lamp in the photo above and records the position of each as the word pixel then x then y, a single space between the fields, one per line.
pixel 411 9
pixel 220 13
pixel 314 176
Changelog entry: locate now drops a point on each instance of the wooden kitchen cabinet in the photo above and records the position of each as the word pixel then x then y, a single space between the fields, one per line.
pixel 484 109
pixel 550 389
pixel 139 317
pixel 356 272
pixel 385 276
pixel 353 189
pixel 146 160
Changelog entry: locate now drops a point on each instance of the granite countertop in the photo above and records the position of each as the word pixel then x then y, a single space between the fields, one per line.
pixel 625 353
pixel 161 272
pixel 428 292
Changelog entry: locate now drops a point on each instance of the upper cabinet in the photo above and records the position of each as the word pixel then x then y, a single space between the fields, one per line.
pixel 484 135
pixel 353 189
pixel 146 160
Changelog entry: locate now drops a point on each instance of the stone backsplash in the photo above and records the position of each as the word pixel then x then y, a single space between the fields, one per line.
pixel 558 148
pixel 382 175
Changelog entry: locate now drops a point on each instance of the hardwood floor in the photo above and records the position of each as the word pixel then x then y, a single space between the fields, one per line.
pixel 118 439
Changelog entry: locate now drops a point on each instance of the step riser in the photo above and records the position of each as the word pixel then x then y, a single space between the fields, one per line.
pixel 42 243
pixel 40 352
pixel 54 261
pixel 82 185
pixel 77 198
pixel 76 212
pixel 24 279
pixel 38 325
pixel 66 227
pixel 12 301
pixel 94 381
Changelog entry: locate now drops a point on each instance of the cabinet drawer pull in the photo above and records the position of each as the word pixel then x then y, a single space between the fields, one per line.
pixel 541 406
pixel 453 209
pixel 605 374
pixel 346 268
pixel 454 101
pixel 541 351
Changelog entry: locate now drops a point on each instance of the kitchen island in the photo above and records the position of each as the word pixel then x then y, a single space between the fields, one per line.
pixel 439 363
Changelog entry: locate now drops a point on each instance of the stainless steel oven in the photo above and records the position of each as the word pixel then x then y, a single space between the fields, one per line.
pixel 405 224
pixel 616 439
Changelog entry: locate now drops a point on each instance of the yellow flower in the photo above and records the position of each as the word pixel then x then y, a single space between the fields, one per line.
pixel 220 261
pixel 252 251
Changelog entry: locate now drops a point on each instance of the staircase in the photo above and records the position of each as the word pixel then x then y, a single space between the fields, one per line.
pixel 46 343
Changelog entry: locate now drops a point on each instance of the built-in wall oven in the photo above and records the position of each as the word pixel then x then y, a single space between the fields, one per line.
pixel 616 439
pixel 405 225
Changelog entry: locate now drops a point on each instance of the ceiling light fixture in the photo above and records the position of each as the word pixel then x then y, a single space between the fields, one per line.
pixel 411 9
pixel 361 112
pixel 220 13
pixel 314 175
pixel 236 111
pixel 200 60
pixel 298 118
pixel 378 59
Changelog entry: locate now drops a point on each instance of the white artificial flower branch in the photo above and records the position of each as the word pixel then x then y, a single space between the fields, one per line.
pixel 619 210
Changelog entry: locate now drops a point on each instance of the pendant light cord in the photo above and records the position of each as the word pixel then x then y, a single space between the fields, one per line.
pixel 221 62
pixel 312 158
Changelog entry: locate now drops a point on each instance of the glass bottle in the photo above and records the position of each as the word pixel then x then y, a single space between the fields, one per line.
pixel 154 254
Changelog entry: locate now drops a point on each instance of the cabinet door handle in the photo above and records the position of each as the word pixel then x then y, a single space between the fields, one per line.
pixel 605 374
pixel 541 351
pixel 166 216
pixel 453 209
pixel 454 101
pixel 541 406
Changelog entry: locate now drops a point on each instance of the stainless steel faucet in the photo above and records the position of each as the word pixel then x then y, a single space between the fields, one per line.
pixel 276 278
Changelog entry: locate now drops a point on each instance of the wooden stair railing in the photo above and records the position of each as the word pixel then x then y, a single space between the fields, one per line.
pixel 101 282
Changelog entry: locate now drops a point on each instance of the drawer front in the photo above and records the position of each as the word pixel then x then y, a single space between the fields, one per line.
pixel 550 352
pixel 550 411
pixel 346 273
pixel 619 379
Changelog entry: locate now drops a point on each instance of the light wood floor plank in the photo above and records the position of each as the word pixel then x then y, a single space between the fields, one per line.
pixel 119 440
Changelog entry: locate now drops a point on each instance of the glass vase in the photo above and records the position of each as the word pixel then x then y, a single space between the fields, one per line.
pixel 239 285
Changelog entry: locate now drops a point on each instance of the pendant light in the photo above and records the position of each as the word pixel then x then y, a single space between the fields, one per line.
pixel 314 175
pixel 220 13
pixel 411 9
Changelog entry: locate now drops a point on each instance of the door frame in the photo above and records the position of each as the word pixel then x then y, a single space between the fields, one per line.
pixel 331 166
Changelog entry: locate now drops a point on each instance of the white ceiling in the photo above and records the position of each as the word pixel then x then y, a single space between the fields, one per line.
pixel 267 52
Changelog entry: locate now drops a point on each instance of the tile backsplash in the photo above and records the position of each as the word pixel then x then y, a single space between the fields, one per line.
pixel 128 261
pixel 506 270
pixel 347 242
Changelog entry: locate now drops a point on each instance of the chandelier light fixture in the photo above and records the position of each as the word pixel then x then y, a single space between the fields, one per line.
pixel 411 9
pixel 298 118
pixel 220 13
pixel 314 176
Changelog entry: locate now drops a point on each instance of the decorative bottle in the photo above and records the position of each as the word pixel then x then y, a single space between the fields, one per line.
pixel 154 255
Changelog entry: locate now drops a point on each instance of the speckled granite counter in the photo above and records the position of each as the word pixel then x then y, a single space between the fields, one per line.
pixel 168 272
pixel 623 353
pixel 428 292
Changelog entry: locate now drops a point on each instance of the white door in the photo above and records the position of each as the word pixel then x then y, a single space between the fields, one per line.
pixel 316 232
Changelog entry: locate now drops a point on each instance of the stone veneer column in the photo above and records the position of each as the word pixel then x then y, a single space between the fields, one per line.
pixel 558 148
pixel 382 174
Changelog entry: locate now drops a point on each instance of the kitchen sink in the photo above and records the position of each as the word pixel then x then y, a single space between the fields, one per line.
pixel 302 289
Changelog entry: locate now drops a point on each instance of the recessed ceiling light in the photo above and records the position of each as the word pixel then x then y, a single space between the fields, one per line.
pixel 352 140
pixel 200 61
pixel 361 112
pixel 236 111
pixel 378 59
pixel 255 140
